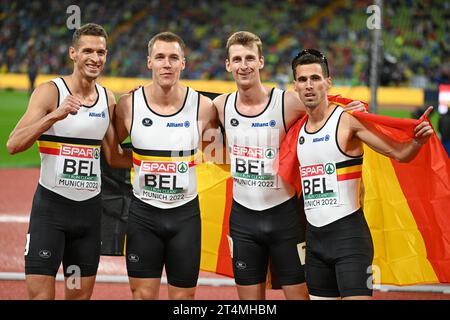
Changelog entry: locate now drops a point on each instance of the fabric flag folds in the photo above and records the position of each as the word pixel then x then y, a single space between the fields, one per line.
pixel 406 204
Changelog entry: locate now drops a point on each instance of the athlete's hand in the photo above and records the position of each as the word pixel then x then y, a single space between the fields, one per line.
pixel 423 131
pixel 135 89
pixel 70 105
pixel 355 106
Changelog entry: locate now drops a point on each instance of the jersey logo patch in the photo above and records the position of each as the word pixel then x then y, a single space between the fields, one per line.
pixel 147 122
pixel 234 122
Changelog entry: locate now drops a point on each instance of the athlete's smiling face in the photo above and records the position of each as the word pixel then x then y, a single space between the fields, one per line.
pixel 166 60
pixel 244 64
pixel 89 56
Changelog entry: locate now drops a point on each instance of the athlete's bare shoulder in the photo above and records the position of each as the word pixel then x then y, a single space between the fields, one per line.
pixel 45 96
pixel 219 103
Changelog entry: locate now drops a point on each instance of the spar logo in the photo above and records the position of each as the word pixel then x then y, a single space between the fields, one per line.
pixel 80 152
pixel 159 167
pixel 164 167
pixel 249 152
pixel 314 170
pixel 317 170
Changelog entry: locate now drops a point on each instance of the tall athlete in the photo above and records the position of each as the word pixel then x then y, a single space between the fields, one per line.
pixel 165 121
pixel 339 247
pixel 69 117
pixel 265 220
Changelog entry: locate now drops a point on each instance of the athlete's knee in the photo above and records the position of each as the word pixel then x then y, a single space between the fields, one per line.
pixel 296 292
pixel 144 293
pixel 77 294
pixel 176 293
pixel 323 298
pixel 40 287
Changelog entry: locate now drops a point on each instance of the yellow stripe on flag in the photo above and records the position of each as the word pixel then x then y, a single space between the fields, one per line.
pixel 400 252
pixel 211 188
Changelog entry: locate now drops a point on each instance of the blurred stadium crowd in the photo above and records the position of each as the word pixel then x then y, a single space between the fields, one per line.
pixel 416 37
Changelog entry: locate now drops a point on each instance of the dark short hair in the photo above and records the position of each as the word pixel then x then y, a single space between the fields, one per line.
pixel 166 36
pixel 246 39
pixel 89 29
pixel 310 56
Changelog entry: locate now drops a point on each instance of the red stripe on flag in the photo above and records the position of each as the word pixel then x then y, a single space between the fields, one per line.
pixel 349 176
pixel 49 150
pixel 425 182
pixel 224 265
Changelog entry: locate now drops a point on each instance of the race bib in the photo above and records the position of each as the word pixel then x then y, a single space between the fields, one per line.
pixel 78 167
pixel 253 166
pixel 320 186
pixel 164 180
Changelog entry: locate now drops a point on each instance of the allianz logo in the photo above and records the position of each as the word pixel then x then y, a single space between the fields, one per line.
pixel 185 124
pixel 97 114
pixel 271 123
pixel 325 138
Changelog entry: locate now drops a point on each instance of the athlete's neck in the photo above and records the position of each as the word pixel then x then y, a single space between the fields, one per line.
pixel 253 96
pixel 319 114
pixel 81 87
pixel 166 97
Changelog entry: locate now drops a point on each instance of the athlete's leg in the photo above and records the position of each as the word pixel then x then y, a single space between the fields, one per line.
pixel 144 251
pixel 311 297
pixel 287 249
pixel 252 292
pixel 354 264
pixel 177 293
pixel 145 288
pixel 358 298
pixel 82 250
pixel 183 251
pixel 40 287
pixel 81 290
pixel 296 291
pixel 250 258
pixel 45 246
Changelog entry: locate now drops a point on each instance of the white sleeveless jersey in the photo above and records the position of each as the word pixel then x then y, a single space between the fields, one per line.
pixel 164 150
pixel 330 178
pixel 70 148
pixel 254 142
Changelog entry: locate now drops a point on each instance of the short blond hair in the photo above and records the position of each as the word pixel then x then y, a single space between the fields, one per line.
pixel 246 39
pixel 166 36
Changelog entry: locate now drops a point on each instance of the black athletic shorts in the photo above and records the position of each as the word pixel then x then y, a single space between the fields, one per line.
pixel 63 230
pixel 339 258
pixel 164 237
pixel 277 233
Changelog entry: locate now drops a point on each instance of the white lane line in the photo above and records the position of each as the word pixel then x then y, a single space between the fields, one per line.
pixel 13 276
pixel 226 282
pixel 14 218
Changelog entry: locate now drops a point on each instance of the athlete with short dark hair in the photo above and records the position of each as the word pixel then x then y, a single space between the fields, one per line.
pixel 339 249
pixel 69 117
